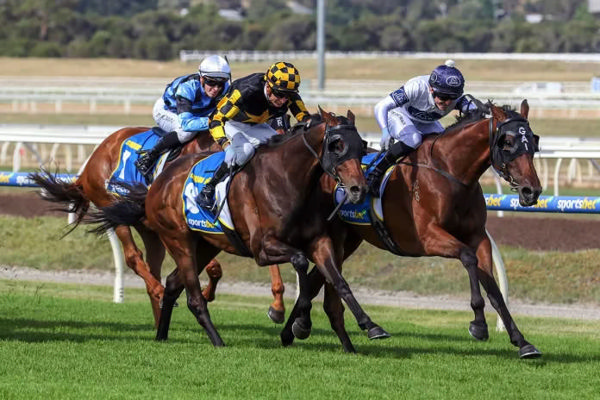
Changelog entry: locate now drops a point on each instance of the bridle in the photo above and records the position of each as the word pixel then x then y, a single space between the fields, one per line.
pixel 332 155
pixel 500 156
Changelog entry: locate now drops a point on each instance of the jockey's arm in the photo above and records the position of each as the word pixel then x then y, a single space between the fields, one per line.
pixel 187 120
pixel 298 108
pixel 226 110
pixel 395 99
pixel 468 103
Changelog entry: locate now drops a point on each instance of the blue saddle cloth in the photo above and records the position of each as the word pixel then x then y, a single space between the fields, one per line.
pixel 357 213
pixel 126 171
pixel 199 219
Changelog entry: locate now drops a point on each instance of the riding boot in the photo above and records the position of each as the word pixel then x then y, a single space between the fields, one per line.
pixel 206 197
pixel 396 151
pixel 146 161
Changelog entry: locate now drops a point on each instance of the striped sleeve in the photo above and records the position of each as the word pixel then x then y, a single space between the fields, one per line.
pixel 227 108
pixel 298 108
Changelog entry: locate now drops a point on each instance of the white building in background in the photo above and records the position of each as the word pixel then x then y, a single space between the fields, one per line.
pixel 594 6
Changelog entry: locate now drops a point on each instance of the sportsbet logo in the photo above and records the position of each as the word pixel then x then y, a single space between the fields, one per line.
pixel 494 201
pixel 584 203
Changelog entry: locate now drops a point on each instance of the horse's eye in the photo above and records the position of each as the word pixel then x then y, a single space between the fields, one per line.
pixel 337 146
pixel 507 143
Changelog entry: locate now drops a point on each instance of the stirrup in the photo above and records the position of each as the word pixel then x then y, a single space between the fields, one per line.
pixel 144 164
pixel 374 182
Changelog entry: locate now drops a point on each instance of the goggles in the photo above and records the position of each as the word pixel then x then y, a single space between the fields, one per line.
pixel 444 96
pixel 280 94
pixel 214 81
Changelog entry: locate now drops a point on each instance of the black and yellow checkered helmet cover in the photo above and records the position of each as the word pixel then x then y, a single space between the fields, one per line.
pixel 283 76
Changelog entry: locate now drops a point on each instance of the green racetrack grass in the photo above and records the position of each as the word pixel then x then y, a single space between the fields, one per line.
pixel 62 341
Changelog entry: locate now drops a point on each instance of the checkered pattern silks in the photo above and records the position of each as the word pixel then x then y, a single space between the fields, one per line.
pixel 283 76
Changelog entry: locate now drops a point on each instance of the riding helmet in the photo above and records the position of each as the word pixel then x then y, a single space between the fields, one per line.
pixel 283 76
pixel 447 79
pixel 215 67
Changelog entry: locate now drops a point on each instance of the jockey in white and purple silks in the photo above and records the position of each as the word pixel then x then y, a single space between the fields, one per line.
pixel 414 110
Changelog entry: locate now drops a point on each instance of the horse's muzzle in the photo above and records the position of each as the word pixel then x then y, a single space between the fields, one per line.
pixel 356 193
pixel 528 195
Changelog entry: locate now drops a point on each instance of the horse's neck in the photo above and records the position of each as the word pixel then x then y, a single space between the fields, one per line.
pixel 464 154
pixel 292 167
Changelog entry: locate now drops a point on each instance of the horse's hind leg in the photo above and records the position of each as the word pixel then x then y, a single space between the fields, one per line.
pixel 478 327
pixel 277 308
pixel 173 289
pixel 486 277
pixel 215 273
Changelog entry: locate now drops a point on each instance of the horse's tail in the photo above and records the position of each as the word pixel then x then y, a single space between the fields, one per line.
pixel 128 210
pixel 69 195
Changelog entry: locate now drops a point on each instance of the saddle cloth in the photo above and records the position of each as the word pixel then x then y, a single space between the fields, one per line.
pixel 197 218
pixel 359 214
pixel 126 172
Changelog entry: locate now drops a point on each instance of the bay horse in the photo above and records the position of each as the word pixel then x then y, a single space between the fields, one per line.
pixel 271 207
pixel 434 206
pixel 90 187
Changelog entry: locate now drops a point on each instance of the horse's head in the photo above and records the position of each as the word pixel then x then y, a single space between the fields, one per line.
pixel 342 151
pixel 512 147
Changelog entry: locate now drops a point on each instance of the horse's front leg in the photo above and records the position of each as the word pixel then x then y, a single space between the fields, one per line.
pixel 215 273
pixel 135 260
pixel 275 251
pixel 324 257
pixel 155 255
pixel 486 277
pixel 443 244
pixel 277 308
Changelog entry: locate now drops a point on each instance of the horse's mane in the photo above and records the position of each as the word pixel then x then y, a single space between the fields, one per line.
pixel 470 117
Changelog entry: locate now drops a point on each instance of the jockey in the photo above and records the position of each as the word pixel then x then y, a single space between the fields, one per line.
pixel 241 117
pixel 185 105
pixel 413 111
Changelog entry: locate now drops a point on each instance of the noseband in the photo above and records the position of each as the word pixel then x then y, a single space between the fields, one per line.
pixel 340 143
pixel 525 142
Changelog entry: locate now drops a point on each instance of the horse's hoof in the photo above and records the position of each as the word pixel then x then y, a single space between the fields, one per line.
pixel 287 338
pixel 377 332
pixel 479 331
pixel 276 316
pixel 299 331
pixel 529 351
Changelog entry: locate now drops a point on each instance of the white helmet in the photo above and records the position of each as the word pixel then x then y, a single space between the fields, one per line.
pixel 215 67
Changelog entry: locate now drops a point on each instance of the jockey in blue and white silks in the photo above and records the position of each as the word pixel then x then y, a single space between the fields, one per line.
pixel 185 106
pixel 414 110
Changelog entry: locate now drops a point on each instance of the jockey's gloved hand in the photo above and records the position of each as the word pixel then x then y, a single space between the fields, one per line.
pixel 386 140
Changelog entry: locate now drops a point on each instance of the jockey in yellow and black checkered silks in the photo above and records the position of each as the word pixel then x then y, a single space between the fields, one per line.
pixel 239 124
pixel 258 97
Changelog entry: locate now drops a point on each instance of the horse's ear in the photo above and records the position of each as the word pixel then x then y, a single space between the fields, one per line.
pixel 320 110
pixel 327 117
pixel 524 108
pixel 350 116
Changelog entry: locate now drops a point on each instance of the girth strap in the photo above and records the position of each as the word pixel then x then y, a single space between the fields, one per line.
pixel 383 233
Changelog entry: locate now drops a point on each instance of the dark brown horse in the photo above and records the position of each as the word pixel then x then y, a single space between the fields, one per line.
pixel 90 186
pixel 433 206
pixel 270 201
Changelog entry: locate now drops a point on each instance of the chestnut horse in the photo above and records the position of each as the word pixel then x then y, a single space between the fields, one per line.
pixel 271 207
pixel 90 186
pixel 434 206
